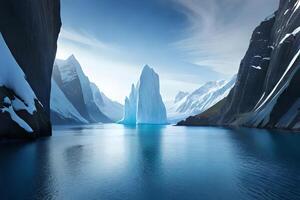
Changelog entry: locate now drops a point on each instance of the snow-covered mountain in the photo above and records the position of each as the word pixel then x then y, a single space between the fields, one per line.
pixel 62 110
pixel 180 96
pixel 76 87
pixel 112 109
pixel 144 104
pixel 266 94
pixel 206 96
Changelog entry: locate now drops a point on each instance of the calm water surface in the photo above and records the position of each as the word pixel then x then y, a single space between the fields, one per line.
pixel 152 162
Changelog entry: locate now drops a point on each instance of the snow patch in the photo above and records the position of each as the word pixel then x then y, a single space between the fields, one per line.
pixel 13 77
pixel 17 119
pixel 256 67
pixel 294 33
pixel 287 10
pixel 280 80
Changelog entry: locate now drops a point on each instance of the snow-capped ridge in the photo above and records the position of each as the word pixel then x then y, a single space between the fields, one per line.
pixel 200 100
pixel 77 88
pixel 180 95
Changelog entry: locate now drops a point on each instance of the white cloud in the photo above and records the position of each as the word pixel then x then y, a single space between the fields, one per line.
pixel 84 38
pixel 219 31
pixel 114 68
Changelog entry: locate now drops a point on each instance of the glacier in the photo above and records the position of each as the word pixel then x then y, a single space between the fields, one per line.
pixel 144 104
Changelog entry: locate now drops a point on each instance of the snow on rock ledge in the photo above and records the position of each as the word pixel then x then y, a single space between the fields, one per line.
pixel 29 31
pixel 13 77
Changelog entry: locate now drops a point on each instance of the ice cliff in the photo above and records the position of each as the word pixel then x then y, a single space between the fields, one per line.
pixel 144 104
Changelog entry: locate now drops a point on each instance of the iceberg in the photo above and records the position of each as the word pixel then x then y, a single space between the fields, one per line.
pixel 130 107
pixel 144 104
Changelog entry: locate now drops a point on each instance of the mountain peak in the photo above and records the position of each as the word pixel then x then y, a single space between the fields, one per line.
pixel 147 68
pixel 71 57
pixel 144 104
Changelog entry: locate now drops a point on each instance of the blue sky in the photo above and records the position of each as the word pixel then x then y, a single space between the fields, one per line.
pixel 188 42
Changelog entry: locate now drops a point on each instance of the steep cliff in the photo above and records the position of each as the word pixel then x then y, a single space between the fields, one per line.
pixel 29 29
pixel 144 104
pixel 265 94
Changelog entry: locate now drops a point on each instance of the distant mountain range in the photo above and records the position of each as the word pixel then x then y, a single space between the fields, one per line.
pixel 74 99
pixel 188 104
pixel 266 93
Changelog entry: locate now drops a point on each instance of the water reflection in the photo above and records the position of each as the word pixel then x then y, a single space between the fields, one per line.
pixel 152 162
pixel 74 158
pixel 149 168
pixel 27 166
pixel 268 163
pixel 148 146
pixel 149 138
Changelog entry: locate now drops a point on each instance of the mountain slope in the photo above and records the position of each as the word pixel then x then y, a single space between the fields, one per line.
pixel 266 93
pixel 200 100
pixel 75 85
pixel 111 109
pixel 62 110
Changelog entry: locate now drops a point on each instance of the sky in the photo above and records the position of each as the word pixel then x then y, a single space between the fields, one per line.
pixel 187 42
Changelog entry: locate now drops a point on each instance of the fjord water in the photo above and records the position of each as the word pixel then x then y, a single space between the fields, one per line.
pixel 152 162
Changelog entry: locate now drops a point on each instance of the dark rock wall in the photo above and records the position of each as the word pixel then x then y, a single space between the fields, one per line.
pixel 30 29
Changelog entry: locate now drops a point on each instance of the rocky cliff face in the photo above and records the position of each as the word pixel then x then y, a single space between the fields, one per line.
pixel 265 94
pixel 30 29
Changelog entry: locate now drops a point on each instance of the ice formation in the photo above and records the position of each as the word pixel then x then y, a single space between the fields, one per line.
pixel 144 104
